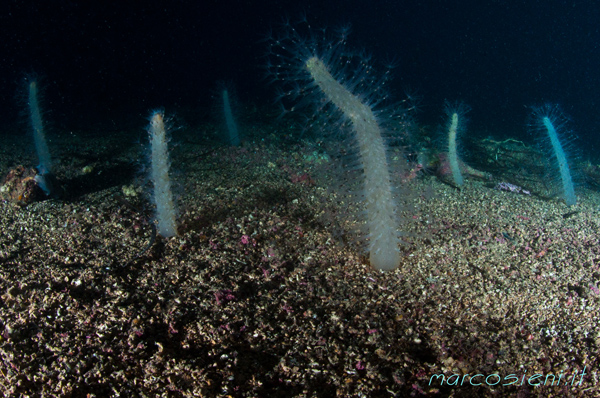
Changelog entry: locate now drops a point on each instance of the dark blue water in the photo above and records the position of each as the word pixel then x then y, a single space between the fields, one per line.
pixel 109 65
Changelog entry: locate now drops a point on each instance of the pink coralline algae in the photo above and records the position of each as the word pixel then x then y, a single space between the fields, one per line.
pixel 508 187
pixel 224 296
pixel 303 178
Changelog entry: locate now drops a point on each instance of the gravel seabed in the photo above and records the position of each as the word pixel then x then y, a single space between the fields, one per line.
pixel 265 294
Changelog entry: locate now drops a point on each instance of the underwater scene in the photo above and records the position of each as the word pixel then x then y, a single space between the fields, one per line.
pixel 327 199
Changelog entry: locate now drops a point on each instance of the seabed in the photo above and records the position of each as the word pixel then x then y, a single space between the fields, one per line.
pixel 265 293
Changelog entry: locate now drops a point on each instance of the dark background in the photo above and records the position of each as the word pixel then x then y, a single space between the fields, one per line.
pixel 112 62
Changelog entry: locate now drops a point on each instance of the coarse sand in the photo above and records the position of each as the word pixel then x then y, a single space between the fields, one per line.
pixel 266 293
